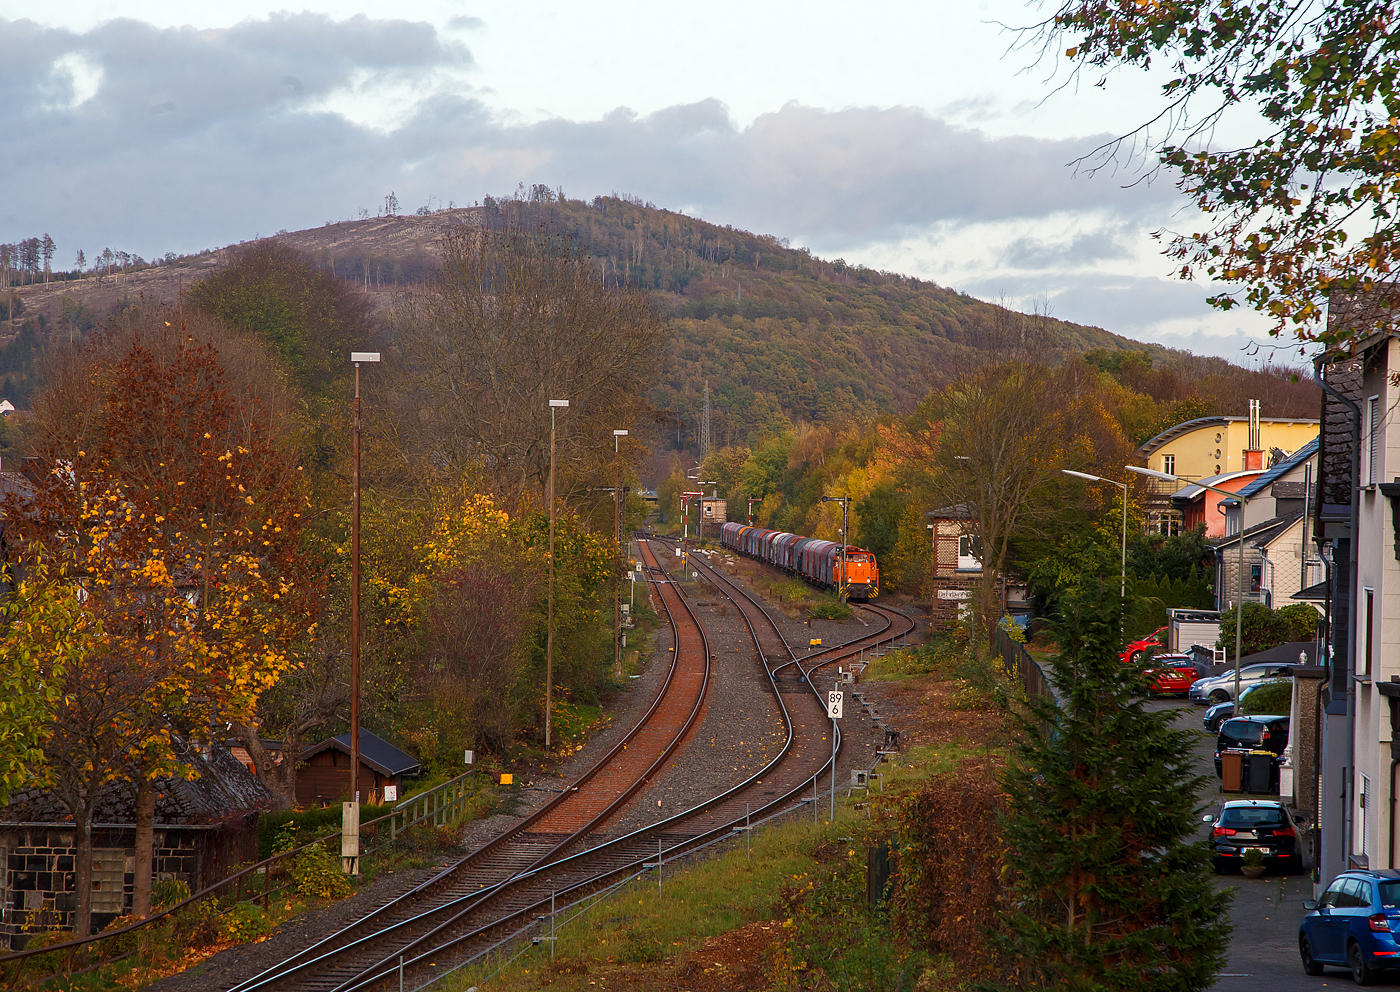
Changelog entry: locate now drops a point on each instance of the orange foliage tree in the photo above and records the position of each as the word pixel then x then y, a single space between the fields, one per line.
pixel 167 500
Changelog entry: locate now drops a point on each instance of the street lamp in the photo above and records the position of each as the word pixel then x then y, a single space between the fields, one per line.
pixel 1239 572
pixel 617 536
pixel 350 818
pixel 554 405
pixel 845 502
pixel 1123 579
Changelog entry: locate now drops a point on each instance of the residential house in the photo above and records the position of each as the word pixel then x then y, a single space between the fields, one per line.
pixel 1212 446
pixel 1365 597
pixel 1274 509
pixel 1197 506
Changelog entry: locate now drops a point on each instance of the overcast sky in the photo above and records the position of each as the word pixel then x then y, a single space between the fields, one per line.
pixel 914 138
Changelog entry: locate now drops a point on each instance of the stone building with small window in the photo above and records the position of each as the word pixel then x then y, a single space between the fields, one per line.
pixel 204 829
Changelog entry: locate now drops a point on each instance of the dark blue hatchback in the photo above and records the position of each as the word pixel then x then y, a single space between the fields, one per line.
pixel 1354 925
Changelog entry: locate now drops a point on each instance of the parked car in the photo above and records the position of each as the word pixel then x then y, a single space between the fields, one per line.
pixel 1179 659
pixel 1252 733
pixel 1222 687
pixel 1140 649
pixel 1353 925
pixel 1265 825
pixel 1218 714
pixel 1169 680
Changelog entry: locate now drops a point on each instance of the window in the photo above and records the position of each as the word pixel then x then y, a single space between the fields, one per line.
pixel 969 553
pixel 1371 466
pixel 1333 896
pixel 108 876
pixel 1256 573
pixel 1366 632
pixel 1356 894
pixel 1365 801
pixel 1169 464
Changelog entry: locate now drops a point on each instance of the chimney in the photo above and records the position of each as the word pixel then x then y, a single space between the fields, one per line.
pixel 1254 454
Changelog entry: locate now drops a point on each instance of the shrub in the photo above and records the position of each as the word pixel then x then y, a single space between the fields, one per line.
pixel 167 892
pixel 285 829
pixel 196 925
pixel 244 923
pixel 832 610
pixel 317 875
pixel 949 886
pixel 1273 698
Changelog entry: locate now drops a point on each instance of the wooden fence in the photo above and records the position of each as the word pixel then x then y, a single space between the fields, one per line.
pixel 1018 659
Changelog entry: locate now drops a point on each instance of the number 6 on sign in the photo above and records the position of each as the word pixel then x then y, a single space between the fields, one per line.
pixel 833 703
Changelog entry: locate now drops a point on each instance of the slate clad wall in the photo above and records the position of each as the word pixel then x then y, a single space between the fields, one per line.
pixel 1334 455
pixel 40 878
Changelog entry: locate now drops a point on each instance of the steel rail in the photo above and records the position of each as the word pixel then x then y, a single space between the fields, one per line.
pixel 335 944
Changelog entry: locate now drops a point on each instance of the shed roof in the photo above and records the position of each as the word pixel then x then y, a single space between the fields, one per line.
pixel 375 752
pixel 1193 490
pixel 224 788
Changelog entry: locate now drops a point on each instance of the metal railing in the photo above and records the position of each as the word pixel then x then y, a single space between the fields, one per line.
pixel 439 805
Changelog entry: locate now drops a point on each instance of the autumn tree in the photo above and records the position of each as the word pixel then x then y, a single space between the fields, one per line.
pixel 512 320
pixel 166 498
pixel 45 633
pixel 1310 209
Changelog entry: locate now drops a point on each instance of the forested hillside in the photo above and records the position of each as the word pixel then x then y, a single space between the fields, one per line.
pixel 783 338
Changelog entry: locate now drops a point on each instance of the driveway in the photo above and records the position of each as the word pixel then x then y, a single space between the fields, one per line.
pixel 1266 912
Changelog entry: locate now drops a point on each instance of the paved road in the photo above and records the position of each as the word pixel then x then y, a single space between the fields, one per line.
pixel 1266 912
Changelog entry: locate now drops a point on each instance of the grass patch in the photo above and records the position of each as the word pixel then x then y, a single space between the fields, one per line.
pixel 834 609
pixel 806 879
pixel 982 679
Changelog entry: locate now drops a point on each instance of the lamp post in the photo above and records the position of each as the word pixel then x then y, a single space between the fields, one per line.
pixel 1123 576
pixel 350 819
pixel 617 536
pixel 1239 571
pixel 554 405
pixel 845 502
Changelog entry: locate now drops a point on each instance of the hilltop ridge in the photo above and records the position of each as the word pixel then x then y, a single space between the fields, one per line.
pixel 783 337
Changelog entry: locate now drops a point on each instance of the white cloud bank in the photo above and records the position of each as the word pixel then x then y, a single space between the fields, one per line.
pixel 155 139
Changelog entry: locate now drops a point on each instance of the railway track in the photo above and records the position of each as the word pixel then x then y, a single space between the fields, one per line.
pixel 499 890
pixel 793 673
pixel 414 925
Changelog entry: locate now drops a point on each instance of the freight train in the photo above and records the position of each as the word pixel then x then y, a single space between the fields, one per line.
pixel 819 562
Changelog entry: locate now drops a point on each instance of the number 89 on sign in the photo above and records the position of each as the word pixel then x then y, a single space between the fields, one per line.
pixel 834 700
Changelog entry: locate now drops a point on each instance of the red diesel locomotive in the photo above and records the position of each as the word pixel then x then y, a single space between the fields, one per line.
pixel 817 561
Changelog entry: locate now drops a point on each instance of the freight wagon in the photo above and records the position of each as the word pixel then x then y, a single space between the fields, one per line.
pixel 817 561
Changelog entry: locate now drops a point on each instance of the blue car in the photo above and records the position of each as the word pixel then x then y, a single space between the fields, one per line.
pixel 1353 925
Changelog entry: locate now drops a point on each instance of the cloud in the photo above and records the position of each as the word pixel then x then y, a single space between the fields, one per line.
pixel 177 138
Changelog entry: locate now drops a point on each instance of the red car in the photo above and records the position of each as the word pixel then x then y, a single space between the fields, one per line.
pixel 1138 650
pixel 1170 681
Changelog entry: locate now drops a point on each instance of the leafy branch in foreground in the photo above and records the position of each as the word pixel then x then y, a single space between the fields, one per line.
pixel 1308 210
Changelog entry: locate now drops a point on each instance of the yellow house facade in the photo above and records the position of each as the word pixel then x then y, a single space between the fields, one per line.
pixel 1198 449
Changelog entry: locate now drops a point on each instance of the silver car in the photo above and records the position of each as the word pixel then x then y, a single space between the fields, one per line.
pixel 1222 687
